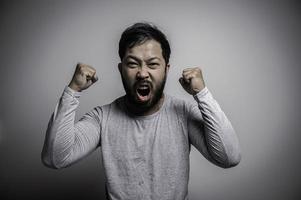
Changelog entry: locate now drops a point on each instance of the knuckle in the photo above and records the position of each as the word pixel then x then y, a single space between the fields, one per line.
pixel 90 68
pixel 83 73
pixel 81 67
pixel 78 66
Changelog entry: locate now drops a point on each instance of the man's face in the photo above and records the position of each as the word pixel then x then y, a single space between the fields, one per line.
pixel 143 71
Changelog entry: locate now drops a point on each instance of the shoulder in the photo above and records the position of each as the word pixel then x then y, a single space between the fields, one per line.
pixel 103 111
pixel 180 105
pixel 114 106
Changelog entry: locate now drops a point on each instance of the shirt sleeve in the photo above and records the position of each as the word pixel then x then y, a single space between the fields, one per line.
pixel 211 132
pixel 67 142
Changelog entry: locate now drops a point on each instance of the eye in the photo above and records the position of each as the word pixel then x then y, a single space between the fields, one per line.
pixel 131 64
pixel 153 65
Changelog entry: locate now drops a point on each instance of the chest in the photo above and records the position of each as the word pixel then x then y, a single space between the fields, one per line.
pixel 161 137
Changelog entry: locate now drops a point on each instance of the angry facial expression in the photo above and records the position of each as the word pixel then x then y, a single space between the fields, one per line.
pixel 143 71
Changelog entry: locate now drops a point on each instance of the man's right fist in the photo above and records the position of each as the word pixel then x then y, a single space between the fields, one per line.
pixel 84 76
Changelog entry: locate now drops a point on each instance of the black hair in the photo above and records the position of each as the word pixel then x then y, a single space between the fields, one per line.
pixel 140 33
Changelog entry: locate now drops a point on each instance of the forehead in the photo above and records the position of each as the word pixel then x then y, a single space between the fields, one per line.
pixel 149 49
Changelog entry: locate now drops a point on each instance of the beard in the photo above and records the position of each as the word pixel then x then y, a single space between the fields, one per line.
pixel 156 96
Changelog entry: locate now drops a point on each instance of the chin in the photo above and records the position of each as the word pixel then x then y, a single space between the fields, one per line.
pixel 153 100
pixel 147 104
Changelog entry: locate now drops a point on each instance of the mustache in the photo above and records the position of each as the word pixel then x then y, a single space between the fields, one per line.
pixel 143 83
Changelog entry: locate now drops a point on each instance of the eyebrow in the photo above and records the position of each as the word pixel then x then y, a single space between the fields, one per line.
pixel 153 58
pixel 137 59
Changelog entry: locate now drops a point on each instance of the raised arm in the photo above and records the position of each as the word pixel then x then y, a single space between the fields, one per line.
pixel 209 129
pixel 66 141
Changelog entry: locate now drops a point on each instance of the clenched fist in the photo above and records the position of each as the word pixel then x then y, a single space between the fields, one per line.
pixel 84 76
pixel 192 80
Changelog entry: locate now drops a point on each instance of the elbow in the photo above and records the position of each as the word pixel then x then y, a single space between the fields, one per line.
pixel 232 153
pixel 48 164
pixel 232 161
pixel 47 161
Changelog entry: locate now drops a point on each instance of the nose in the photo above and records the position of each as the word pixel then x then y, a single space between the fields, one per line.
pixel 142 73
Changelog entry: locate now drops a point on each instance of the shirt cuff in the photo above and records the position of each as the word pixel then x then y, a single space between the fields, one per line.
pixel 72 92
pixel 201 94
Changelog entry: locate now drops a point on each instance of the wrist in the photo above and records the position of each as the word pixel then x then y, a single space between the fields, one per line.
pixel 197 89
pixel 74 87
pixel 201 93
pixel 72 92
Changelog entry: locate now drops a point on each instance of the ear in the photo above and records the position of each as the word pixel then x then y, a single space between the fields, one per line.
pixel 167 68
pixel 119 67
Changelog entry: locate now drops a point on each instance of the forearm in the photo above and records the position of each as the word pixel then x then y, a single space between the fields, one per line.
pixel 219 136
pixel 67 141
pixel 60 132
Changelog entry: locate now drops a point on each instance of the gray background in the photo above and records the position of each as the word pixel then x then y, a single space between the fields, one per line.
pixel 250 55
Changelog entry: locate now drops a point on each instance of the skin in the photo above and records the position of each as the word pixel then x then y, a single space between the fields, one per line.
pixel 83 77
pixel 192 80
pixel 142 62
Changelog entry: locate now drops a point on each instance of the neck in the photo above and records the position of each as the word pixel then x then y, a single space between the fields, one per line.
pixel 144 111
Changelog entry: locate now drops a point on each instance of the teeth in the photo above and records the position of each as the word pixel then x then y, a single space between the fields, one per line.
pixel 143 91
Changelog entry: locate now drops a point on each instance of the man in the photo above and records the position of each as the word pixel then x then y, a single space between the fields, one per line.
pixel 146 135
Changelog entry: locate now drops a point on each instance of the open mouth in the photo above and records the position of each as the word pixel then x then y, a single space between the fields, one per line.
pixel 143 93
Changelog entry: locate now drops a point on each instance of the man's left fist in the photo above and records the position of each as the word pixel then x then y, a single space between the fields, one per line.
pixel 192 80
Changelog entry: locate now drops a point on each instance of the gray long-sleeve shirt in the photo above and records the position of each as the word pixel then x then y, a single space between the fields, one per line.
pixel 144 157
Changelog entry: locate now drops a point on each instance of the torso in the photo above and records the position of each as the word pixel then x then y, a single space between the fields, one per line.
pixel 146 157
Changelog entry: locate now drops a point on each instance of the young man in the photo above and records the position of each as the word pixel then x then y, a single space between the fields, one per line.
pixel 146 135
